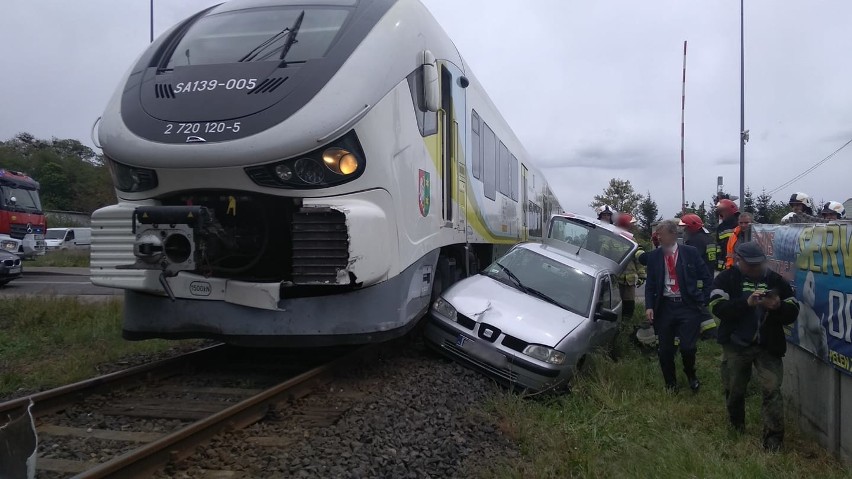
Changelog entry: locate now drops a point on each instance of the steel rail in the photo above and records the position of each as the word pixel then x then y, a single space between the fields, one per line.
pixel 154 456
pixel 52 400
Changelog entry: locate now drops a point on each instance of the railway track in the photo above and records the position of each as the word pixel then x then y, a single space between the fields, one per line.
pixel 141 419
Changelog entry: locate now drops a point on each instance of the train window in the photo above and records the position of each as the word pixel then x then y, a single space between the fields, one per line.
pixel 513 177
pixel 427 121
pixel 476 146
pixel 489 164
pixel 503 170
pixel 258 34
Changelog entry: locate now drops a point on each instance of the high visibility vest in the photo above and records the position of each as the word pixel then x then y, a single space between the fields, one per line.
pixel 732 243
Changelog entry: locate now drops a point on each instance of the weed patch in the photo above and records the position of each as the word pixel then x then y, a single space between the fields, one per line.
pixel 619 422
pixel 47 342
pixel 61 259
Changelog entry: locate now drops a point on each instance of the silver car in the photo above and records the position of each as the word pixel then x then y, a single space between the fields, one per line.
pixel 531 317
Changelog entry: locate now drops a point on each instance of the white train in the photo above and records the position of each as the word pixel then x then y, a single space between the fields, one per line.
pixel 304 173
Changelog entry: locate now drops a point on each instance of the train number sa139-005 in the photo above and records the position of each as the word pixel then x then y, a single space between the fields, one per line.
pixel 212 85
pixel 208 127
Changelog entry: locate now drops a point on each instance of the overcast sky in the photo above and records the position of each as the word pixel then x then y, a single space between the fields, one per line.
pixel 592 88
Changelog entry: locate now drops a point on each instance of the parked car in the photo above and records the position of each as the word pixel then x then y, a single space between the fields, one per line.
pixel 10 267
pixel 68 238
pixel 531 318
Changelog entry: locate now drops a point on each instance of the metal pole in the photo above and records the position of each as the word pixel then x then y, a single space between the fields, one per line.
pixel 682 109
pixel 152 21
pixel 742 107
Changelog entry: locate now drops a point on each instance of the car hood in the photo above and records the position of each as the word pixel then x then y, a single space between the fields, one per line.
pixel 517 314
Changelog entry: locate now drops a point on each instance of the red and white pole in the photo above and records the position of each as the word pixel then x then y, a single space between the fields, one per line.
pixel 682 109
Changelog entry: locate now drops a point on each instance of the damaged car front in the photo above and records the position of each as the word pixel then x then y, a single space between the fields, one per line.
pixel 530 318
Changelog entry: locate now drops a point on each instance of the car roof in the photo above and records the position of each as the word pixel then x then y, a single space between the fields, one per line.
pixel 587 262
pixel 600 224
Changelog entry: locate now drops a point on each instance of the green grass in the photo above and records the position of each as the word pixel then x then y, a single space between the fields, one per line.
pixel 47 342
pixel 619 422
pixel 61 259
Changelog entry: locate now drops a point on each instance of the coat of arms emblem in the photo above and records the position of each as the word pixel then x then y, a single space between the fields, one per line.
pixel 424 192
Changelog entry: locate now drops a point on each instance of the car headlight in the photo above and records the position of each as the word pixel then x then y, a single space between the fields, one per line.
pixel 9 246
pixel 130 179
pixel 543 353
pixel 445 309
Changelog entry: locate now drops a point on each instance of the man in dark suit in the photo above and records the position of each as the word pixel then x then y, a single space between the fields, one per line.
pixel 676 291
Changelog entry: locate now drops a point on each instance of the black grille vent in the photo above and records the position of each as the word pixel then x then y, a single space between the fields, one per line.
pixel 18 231
pixel 320 245
pixel 465 321
pixel 268 86
pixel 164 90
pixel 512 342
pixel 262 176
pixel 9 263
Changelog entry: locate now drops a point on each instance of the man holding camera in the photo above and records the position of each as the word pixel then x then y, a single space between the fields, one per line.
pixel 753 304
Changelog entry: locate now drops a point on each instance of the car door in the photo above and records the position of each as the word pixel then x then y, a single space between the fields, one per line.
pixel 604 330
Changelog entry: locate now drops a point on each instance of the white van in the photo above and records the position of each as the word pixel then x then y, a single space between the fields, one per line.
pixel 68 238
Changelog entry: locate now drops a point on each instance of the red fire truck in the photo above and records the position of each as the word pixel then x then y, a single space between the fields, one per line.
pixel 22 221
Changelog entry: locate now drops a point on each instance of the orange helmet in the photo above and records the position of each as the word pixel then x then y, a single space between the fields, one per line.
pixel 692 222
pixel 727 205
pixel 625 220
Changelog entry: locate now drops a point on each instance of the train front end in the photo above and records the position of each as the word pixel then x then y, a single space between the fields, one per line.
pixel 252 200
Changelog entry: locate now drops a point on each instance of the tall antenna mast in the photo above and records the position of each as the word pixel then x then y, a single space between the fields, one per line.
pixel 682 110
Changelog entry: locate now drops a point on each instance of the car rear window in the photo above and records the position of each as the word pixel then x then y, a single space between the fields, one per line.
pixel 590 237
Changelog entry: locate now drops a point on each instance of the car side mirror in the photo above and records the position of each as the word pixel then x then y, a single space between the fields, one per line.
pixel 603 314
pixel 431 88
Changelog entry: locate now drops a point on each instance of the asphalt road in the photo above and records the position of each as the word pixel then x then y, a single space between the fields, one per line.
pixel 58 282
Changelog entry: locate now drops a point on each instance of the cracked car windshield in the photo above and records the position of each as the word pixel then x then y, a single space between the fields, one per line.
pixel 569 287
pixel 228 37
pixel 590 238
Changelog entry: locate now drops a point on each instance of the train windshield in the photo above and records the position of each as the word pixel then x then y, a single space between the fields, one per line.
pixel 259 34
pixel 26 200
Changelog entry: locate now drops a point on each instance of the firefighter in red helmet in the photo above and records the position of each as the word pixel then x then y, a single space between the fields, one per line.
pixel 697 236
pixel 729 214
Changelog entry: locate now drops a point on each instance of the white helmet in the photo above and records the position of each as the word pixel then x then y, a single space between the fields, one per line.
pixel 805 200
pixel 604 209
pixel 787 218
pixel 834 207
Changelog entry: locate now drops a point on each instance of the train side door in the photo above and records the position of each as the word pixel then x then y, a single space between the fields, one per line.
pixel 453 134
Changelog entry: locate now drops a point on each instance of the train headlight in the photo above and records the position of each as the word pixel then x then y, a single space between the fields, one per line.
pixel 340 161
pixel 284 172
pixel 131 179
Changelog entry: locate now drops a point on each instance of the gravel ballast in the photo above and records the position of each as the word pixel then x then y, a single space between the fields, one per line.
pixel 413 415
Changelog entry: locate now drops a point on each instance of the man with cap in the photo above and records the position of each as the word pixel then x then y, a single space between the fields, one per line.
pixel 753 304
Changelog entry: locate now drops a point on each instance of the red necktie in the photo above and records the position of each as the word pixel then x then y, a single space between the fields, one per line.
pixel 671 261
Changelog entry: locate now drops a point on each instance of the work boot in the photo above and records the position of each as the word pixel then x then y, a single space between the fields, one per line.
pixel 694 384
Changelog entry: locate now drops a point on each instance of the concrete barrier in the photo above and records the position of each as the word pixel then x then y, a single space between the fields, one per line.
pixel 819 399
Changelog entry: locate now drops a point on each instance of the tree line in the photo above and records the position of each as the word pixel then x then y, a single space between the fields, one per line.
pixel 621 195
pixel 72 176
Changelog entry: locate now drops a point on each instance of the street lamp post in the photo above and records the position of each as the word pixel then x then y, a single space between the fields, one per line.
pixel 743 132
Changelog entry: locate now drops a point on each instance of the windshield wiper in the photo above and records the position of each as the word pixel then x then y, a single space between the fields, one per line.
pixel 291 39
pixel 256 50
pixel 543 296
pixel 512 276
